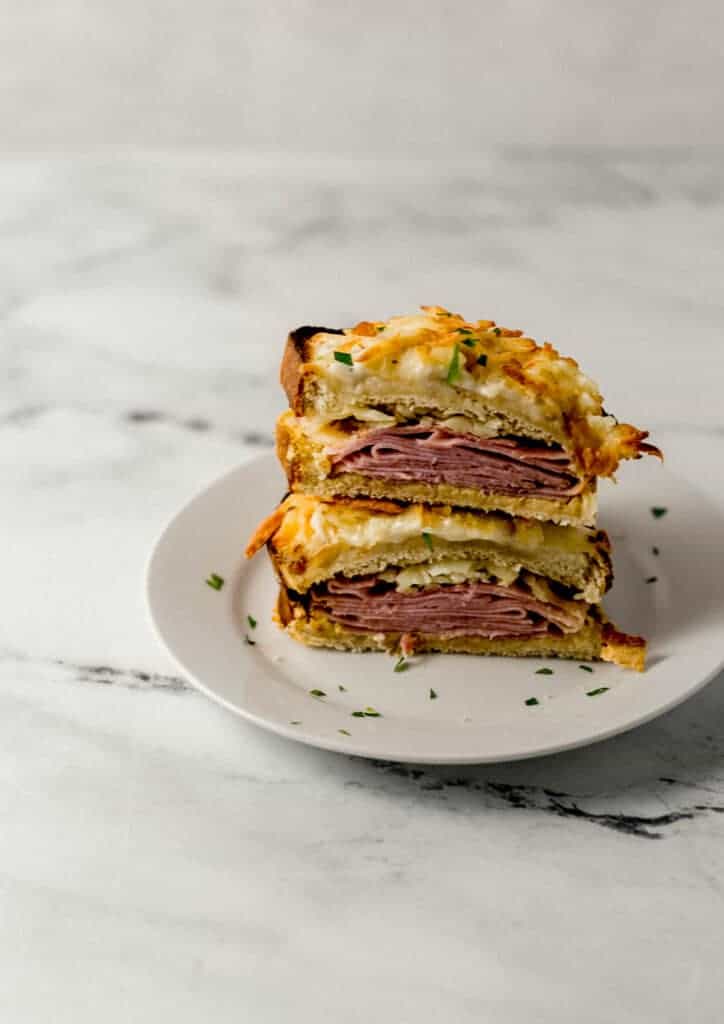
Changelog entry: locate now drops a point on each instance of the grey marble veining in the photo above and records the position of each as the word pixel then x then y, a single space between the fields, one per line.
pixel 161 860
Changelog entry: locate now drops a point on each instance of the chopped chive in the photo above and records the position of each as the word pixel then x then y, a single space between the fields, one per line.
pixel 358 714
pixel 482 360
pixel 544 671
pixel 470 342
pixel 658 511
pixel 318 693
pixel 252 621
pixel 433 695
pixel 585 668
pixel 531 701
pixel 597 691
pixel 496 331
pixel 344 732
pixel 427 537
pixel 453 370
pixel 215 581
pixel 464 330
pixel 654 550
pixel 342 689
pixel 372 713
pixel 401 665
pixel 652 579
pixel 295 723
pixel 343 357
pixel 251 643
pixel 380 327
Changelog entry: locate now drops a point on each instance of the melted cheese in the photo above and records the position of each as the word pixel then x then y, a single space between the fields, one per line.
pixel 449 570
pixel 329 433
pixel 435 356
pixel 311 525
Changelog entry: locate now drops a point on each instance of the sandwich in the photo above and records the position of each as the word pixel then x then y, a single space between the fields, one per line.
pixel 434 409
pixel 442 493
pixel 378 575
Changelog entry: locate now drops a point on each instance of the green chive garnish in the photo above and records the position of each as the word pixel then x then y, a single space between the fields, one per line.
pixel 344 732
pixel 654 550
pixel 496 331
pixel 597 691
pixel 215 582
pixel 464 330
pixel 652 579
pixel 470 342
pixel 482 360
pixel 318 693
pixel 358 714
pixel 658 511
pixel 544 671
pixel 252 621
pixel 433 695
pixel 342 689
pixel 531 701
pixel 453 370
pixel 585 668
pixel 343 357
pixel 372 713
pixel 401 665
pixel 427 537
pixel 251 643
pixel 295 723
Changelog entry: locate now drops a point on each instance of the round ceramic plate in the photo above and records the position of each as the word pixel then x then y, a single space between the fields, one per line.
pixel 668 587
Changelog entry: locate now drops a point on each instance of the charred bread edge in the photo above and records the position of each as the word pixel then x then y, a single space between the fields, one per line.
pixel 290 373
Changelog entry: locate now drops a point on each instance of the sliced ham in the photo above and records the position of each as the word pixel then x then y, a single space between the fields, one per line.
pixel 501 465
pixel 369 605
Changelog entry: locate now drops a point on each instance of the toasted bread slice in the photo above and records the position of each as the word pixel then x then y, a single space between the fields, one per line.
pixel 304 449
pixel 312 539
pixel 597 640
pixel 436 364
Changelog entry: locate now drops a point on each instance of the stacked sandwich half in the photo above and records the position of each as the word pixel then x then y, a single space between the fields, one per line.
pixel 442 493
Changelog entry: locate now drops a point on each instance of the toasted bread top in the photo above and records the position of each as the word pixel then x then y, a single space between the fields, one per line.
pixel 438 362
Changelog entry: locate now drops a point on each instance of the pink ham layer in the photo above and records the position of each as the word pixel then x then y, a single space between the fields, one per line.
pixel 499 465
pixel 461 609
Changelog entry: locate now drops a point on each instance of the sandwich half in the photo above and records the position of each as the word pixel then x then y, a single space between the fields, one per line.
pixel 365 575
pixel 432 408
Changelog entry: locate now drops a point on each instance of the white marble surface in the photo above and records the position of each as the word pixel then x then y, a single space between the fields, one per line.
pixel 160 860
pixel 354 78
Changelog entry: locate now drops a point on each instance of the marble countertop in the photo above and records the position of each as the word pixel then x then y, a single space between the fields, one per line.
pixel 161 860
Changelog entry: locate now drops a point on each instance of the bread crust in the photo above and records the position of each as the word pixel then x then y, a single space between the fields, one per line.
pixel 291 371
pixel 620 648
pixel 593 642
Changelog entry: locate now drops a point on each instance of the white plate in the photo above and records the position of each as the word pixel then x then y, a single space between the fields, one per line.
pixel 480 712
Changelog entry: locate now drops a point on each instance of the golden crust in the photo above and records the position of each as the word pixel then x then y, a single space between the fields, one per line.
pixel 265 531
pixel 296 352
pixel 590 643
pixel 622 648
pixel 311 539
pixel 307 469
pixel 493 367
